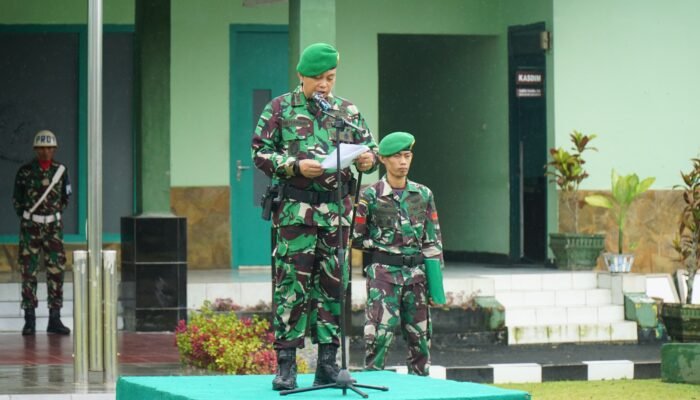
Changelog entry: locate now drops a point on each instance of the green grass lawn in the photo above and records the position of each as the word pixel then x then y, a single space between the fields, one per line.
pixel 646 389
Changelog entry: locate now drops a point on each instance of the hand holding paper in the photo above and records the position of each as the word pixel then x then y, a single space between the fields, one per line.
pixel 348 152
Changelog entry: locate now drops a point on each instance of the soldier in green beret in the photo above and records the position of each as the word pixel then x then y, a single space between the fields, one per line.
pixel 397 223
pixel 292 138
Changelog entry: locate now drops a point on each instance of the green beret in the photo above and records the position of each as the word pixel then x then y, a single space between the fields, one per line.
pixel 317 59
pixel 396 142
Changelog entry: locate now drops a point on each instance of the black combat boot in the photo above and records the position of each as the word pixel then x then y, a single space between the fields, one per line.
pixel 55 324
pixel 326 367
pixel 286 378
pixel 29 322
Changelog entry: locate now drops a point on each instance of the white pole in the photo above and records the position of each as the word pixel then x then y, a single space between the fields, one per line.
pixel 94 183
pixel 109 258
pixel 80 318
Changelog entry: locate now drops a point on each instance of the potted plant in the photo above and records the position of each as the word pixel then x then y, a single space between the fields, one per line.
pixel 572 250
pixel 624 191
pixel 683 320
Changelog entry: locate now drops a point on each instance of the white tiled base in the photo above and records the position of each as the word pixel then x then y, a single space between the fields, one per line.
pixel 436 371
pixel 67 396
pixel 607 370
pixel 620 331
pixel 516 373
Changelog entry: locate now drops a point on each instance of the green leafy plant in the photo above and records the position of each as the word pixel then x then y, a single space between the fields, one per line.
pixel 566 170
pixel 220 341
pixel 687 241
pixel 625 189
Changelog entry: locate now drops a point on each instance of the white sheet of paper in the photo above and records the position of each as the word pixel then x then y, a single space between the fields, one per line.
pixel 348 152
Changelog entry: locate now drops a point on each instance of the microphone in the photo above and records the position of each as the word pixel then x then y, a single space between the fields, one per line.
pixel 321 101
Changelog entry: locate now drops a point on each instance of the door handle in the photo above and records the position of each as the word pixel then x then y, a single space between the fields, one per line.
pixel 239 168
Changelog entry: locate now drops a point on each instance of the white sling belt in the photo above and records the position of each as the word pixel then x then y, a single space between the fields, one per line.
pixel 46 219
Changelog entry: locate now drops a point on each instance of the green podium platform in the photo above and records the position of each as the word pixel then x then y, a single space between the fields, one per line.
pixel 259 387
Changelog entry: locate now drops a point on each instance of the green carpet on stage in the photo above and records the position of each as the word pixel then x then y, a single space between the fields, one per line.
pixel 259 387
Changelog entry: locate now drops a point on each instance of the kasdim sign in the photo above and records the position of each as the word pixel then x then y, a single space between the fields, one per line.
pixel 528 84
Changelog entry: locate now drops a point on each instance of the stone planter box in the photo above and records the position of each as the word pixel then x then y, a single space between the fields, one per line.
pixel 470 326
pixel 576 251
pixel 680 363
pixel 682 321
pixel 462 324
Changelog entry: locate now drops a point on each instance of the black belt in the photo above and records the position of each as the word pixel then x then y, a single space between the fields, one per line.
pixel 311 197
pixel 396 259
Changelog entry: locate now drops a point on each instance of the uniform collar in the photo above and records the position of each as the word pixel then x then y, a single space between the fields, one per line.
pixel 299 99
pixel 35 163
pixel 387 190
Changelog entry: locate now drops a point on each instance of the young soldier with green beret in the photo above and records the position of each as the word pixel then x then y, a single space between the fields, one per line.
pixel 397 223
pixel 291 140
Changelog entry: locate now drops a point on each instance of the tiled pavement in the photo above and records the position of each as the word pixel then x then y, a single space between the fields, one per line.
pixel 42 365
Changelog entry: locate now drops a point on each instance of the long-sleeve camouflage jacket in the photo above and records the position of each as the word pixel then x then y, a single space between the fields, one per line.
pixel 404 224
pixel 292 128
pixel 31 182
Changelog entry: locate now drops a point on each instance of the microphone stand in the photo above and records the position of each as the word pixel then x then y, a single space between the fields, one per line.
pixel 344 380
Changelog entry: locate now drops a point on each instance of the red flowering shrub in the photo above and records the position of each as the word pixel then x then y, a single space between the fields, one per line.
pixel 220 341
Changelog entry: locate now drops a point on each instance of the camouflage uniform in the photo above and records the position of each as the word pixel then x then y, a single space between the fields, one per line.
pixel 291 128
pixel 398 223
pixel 37 237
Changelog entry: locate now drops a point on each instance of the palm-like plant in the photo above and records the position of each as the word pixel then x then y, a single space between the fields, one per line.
pixel 625 189
pixel 687 242
pixel 566 170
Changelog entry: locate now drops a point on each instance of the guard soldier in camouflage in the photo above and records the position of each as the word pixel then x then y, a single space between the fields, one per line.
pixel 397 223
pixel 292 137
pixel 40 195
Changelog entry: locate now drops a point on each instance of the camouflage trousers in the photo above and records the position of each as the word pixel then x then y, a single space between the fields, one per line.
pixel 42 239
pixel 393 300
pixel 307 285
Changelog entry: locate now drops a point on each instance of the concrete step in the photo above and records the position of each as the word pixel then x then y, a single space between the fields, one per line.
pixel 12 316
pixel 603 314
pixel 554 280
pixel 246 294
pixel 14 309
pixel 15 324
pixel 621 331
pixel 12 291
pixel 249 294
pixel 562 307
pixel 554 298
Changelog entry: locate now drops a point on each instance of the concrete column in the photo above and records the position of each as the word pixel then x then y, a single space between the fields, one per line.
pixel 154 242
pixel 310 21
pixel 152 105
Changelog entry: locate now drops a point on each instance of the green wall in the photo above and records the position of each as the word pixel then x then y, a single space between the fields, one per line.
pixel 456 117
pixel 200 85
pixel 199 88
pixel 360 21
pixel 630 75
pixel 517 12
pixel 200 120
pixel 461 204
pixel 63 11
